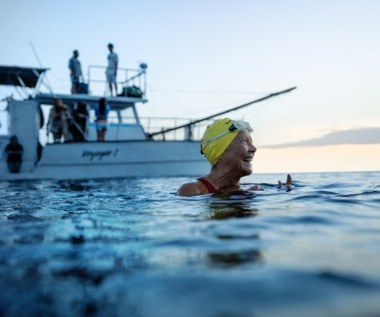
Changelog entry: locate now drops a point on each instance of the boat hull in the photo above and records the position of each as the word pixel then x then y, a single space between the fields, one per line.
pixel 119 159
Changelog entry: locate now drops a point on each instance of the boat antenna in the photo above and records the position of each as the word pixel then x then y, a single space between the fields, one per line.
pixel 223 112
pixel 40 64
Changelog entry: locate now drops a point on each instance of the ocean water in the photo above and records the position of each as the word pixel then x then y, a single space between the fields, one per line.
pixel 132 248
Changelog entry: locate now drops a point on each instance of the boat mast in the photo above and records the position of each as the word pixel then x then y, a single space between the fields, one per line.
pixel 188 125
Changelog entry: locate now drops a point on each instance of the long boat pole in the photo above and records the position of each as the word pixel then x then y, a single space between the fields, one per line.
pixel 223 112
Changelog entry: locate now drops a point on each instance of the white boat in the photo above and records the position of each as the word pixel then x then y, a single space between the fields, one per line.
pixel 129 150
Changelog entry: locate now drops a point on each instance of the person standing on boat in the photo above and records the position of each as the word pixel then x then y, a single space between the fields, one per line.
pixel 111 71
pixel 75 72
pixel 14 151
pixel 78 125
pixel 101 113
pixel 227 145
pixel 59 122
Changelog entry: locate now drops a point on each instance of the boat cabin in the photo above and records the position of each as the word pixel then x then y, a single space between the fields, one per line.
pixel 27 117
pixel 129 150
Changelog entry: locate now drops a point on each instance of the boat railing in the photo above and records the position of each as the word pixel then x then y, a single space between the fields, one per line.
pixel 153 126
pixel 126 79
pixel 150 125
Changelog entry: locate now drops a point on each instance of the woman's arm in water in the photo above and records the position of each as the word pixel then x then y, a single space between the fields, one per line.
pixel 288 185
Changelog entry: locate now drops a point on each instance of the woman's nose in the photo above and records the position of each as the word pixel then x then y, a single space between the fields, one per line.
pixel 252 148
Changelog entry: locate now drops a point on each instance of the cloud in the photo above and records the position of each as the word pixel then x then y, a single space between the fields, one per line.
pixel 353 136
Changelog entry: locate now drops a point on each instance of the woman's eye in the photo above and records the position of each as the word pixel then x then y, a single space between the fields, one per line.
pixel 246 141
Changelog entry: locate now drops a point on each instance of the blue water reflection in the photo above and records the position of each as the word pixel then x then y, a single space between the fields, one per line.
pixel 132 248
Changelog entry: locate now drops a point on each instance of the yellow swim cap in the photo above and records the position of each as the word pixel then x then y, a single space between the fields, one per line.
pixel 219 135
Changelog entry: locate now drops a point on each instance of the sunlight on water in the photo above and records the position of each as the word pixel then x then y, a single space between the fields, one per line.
pixel 132 248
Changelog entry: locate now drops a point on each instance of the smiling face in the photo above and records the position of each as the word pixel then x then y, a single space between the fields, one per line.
pixel 239 154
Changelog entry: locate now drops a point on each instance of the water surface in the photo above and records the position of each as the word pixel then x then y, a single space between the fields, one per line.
pixel 132 248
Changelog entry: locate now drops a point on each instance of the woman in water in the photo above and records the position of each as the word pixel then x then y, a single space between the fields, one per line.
pixel 227 145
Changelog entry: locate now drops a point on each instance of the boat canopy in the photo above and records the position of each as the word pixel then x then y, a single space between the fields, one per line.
pixel 21 76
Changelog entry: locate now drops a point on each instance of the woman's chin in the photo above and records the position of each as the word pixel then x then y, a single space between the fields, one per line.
pixel 246 168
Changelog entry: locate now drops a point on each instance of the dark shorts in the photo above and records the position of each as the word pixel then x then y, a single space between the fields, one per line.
pixel 75 81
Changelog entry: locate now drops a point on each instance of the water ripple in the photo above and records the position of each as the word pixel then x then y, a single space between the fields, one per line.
pixel 131 247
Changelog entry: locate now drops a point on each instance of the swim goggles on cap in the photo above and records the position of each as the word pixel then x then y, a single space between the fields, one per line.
pixel 237 125
pixel 240 125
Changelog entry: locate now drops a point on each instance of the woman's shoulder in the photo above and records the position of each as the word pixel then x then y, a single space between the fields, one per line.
pixel 192 189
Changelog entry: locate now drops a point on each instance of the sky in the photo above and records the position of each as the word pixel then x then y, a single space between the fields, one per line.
pixel 205 56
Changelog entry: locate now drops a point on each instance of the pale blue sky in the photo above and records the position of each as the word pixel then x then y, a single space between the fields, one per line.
pixel 207 55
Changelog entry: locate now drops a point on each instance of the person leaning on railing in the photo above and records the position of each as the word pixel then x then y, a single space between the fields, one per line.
pixel 59 122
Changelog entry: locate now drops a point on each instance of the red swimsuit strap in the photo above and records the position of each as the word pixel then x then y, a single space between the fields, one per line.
pixel 210 187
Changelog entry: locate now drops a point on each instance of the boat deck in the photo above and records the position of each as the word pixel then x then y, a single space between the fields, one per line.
pixel 119 102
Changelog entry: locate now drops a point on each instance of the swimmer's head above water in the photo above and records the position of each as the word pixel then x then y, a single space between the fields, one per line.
pixel 219 135
pixel 227 145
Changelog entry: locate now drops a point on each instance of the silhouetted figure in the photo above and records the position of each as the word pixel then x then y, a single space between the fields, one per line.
pixel 14 151
pixel 101 113
pixel 75 72
pixel 79 125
